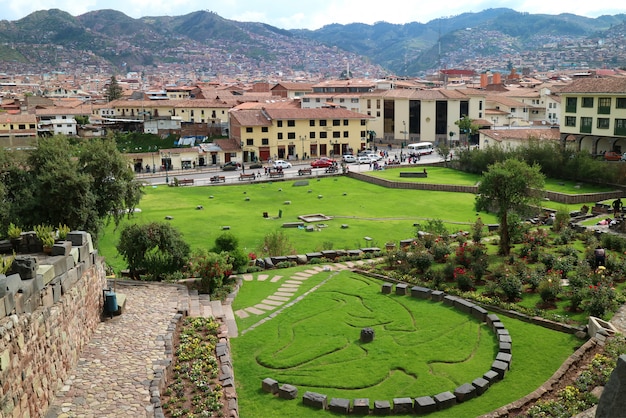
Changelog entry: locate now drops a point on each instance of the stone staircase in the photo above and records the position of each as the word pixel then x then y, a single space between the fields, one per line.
pixel 201 305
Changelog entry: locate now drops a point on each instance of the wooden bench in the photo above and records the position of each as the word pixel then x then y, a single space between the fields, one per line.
pixel 217 179
pixel 274 174
pixel 247 176
pixel 185 182
pixel 304 171
pixel 331 169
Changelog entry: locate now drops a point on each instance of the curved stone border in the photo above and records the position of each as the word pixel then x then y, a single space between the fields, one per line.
pixel 423 404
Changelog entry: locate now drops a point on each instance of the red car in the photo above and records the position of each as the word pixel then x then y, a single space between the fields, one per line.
pixel 322 163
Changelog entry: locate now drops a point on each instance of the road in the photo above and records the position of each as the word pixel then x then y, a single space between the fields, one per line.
pixel 202 175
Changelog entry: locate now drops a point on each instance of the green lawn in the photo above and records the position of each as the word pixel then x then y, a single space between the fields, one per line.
pixel 420 348
pixel 436 175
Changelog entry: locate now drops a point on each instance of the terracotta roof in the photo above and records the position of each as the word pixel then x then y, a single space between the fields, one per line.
pixel 227 144
pixel 24 117
pixel 319 113
pixel 548 134
pixel 290 85
pixel 596 85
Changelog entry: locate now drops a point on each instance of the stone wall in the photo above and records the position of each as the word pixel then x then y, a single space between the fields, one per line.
pixel 46 324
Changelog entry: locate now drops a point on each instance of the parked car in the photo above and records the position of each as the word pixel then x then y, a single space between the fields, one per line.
pixel 363 159
pixel 281 164
pixel 230 166
pixel 612 156
pixel 349 158
pixel 374 157
pixel 322 163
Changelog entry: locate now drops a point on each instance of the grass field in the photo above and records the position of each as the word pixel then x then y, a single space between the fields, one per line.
pixel 420 348
pixel 368 210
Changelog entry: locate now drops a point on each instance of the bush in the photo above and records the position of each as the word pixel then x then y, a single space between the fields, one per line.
pixel 211 268
pixel 464 279
pixel 550 287
pixel 440 250
pixel 478 230
pixel 421 261
pixel 225 242
pixel 511 286
pixel 601 300
pixel 276 243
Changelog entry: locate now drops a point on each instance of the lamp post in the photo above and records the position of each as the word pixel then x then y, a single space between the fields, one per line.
pixel 303 138
pixel 167 163
pixel 153 166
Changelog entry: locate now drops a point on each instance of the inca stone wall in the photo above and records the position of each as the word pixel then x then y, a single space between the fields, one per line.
pixel 48 322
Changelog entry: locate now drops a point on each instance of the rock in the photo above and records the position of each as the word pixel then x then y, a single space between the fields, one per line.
pixel 367 335
pixel 316 400
pixel 613 402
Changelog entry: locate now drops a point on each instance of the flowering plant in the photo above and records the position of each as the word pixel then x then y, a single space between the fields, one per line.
pixel 252 256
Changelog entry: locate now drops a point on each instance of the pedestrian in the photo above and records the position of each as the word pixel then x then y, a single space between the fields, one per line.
pixel 600 256
pixel 265 168
pixel 617 207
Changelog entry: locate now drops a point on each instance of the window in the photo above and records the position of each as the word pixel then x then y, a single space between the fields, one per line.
pixel 279 123
pixel 620 103
pixel 311 135
pixel 323 135
pixel 280 135
pixel 378 113
pixel 265 141
pixel 312 122
pixel 620 127
pixel 570 120
pixel 305 99
pixel 22 126
pixel 604 105
pixel 570 104
pixel 603 123
pixel 336 122
pixel 354 100
pixel 291 135
pixel 480 105
pixel 369 103
pixel 250 141
pixel 345 122
pixel 513 110
pixel 345 134
pixel 363 122
pixel 249 130
pixel 377 103
pixel 337 134
pixel 587 102
pixel 342 100
pixel 264 129
pixel 317 100
pixel 585 124
pixel 322 122
pixel 291 123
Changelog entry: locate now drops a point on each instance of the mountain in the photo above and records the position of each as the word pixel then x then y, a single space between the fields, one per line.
pixel 207 44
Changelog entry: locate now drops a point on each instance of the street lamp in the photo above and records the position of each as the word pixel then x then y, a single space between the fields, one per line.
pixel 167 163
pixel 303 138
pixel 153 166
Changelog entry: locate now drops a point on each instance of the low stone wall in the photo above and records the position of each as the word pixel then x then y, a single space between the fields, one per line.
pixel 46 324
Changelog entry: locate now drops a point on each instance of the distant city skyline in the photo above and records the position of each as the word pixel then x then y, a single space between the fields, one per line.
pixel 287 14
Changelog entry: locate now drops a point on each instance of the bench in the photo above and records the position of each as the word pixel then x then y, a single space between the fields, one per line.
pixel 418 174
pixel 274 174
pixel 247 176
pixel 331 169
pixel 217 179
pixel 304 171
pixel 185 182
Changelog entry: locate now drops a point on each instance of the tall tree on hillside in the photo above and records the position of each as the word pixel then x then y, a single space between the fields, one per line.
pixel 509 187
pixel 114 91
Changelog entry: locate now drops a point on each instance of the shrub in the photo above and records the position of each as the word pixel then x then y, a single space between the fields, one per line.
pixel 464 279
pixel 511 286
pixel 561 219
pixel 478 230
pixel 550 286
pixel 211 268
pixel 448 271
pixel 276 243
pixel 601 300
pixel 225 242
pixel 440 250
pixel 421 261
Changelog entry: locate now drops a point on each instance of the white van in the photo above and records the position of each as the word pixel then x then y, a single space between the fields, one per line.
pixel 420 148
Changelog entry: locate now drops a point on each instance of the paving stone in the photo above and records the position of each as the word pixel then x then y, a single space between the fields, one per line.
pixel 339 406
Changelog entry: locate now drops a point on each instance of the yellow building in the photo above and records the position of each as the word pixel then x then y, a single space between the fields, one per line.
pixel 18 131
pixel 593 112
pixel 283 130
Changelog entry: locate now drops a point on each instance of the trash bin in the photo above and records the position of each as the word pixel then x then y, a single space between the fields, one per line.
pixel 265 215
pixel 110 302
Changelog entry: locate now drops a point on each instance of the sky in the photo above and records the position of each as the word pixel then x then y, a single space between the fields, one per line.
pixel 312 14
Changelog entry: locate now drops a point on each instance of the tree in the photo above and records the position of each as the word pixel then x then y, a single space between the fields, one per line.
pixel 114 90
pixel 156 248
pixel 467 127
pixel 509 186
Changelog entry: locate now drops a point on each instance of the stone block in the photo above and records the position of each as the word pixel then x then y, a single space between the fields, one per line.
pixel 46 272
pixel 420 292
pixel 330 254
pixel 311 256
pixel 437 295
pixel 445 400
pixel 59 263
pixel 479 313
pixel 25 266
pixel 402 405
pixel 491 318
pixel 279 259
pixel 9 284
pixel 481 384
pixel 496 325
pixel 504 347
pixel 505 357
pixel 77 238
pixel 340 406
pixel 287 391
pixel 465 392
pixel 9 303
pixel 500 367
pixel 3 312
pixel 361 406
pixel 75 255
pixel 387 288
pixel 83 253
pixel 424 405
pixel 269 385
pixel 464 305
pixel 613 402
pixel 61 248
pixel 47 297
pixel 500 332
pixel 505 339
pixel 57 290
pixel 449 300
pixel 31 287
pixel 401 289
pixel 315 400
pixel 490 376
pixel 382 407
pixel 269 264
